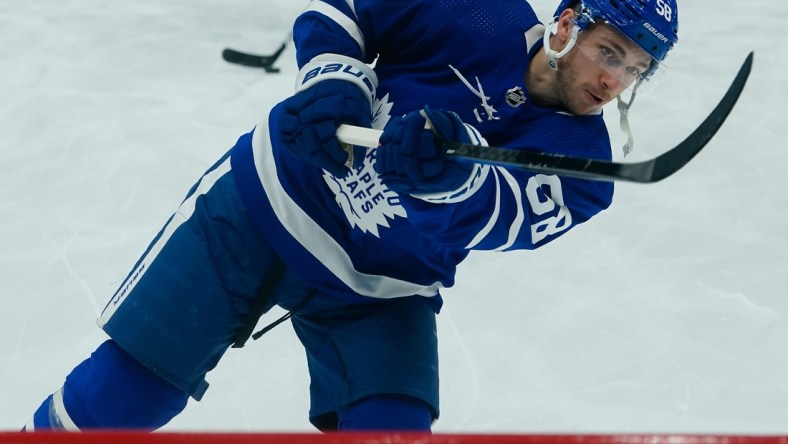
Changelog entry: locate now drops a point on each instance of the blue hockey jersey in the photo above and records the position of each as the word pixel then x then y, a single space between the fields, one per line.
pixel 355 237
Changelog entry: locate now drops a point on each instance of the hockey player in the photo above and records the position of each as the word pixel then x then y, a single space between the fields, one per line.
pixel 357 248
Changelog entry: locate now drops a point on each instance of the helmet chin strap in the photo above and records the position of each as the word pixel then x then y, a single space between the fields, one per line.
pixel 623 110
pixel 553 56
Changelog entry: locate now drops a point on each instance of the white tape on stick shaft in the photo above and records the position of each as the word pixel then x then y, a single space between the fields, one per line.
pixel 356 135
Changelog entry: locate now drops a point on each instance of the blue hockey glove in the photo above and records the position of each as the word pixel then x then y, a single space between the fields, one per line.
pixel 409 159
pixel 309 123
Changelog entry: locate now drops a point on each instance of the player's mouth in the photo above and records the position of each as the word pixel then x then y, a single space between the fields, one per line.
pixel 595 99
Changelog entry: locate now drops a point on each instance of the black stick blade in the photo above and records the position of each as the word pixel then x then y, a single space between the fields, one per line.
pixel 265 62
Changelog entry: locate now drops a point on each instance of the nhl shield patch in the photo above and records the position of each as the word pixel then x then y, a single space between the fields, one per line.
pixel 515 97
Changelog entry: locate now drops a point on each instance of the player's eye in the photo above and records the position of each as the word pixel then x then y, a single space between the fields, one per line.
pixel 634 72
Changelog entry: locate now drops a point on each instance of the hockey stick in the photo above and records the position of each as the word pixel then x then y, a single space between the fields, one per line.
pixel 265 62
pixel 648 171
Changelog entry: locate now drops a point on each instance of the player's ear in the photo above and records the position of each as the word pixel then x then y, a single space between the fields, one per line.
pixel 565 23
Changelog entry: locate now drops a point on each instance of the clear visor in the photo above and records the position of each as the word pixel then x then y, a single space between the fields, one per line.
pixel 621 58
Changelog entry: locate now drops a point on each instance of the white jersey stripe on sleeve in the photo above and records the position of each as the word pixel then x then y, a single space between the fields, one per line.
pixel 352 5
pixel 60 412
pixel 517 223
pixel 342 20
pixel 493 218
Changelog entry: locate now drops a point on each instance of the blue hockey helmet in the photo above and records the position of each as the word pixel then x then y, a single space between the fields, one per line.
pixel 651 24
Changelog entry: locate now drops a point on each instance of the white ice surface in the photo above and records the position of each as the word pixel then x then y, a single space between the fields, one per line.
pixel 667 313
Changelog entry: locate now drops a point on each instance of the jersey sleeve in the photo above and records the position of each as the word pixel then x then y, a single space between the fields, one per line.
pixel 328 27
pixel 363 29
pixel 512 210
pixel 334 27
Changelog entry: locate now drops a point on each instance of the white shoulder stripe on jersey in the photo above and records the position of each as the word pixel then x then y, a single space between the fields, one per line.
pixel 314 239
pixel 342 20
pixel 533 36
